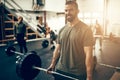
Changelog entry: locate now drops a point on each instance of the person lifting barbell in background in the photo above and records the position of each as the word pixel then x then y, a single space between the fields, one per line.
pixel 98 34
pixel 20 34
pixel 73 53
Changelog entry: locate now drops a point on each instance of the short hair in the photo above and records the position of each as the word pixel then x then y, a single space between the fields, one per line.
pixel 72 3
pixel 20 17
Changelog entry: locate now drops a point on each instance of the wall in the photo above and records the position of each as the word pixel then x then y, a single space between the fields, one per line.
pixel 94 9
pixel 113 17
pixel 91 5
pixel 54 5
pixel 90 11
pixel 85 6
pixel 51 8
pixel 55 22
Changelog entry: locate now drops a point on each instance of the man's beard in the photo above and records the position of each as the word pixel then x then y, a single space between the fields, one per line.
pixel 70 18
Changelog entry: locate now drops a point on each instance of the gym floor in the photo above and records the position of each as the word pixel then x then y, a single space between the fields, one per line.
pixel 109 54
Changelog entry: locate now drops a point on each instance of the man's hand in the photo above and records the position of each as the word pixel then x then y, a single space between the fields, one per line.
pixel 50 68
pixel 89 78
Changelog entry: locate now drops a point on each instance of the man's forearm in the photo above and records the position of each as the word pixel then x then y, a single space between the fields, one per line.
pixel 55 55
pixel 89 62
pixel 89 68
pixel 54 60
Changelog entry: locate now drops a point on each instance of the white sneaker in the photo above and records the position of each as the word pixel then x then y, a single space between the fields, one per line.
pixel 17 57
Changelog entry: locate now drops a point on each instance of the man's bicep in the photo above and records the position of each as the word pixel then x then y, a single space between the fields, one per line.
pixel 88 50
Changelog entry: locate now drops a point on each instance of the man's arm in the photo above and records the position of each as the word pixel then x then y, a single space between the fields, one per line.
pixel 89 61
pixel 56 55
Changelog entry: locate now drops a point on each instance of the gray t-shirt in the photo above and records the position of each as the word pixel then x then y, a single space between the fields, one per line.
pixel 20 28
pixel 72 40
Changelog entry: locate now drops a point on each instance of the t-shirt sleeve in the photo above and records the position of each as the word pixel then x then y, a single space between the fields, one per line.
pixel 88 38
pixel 58 36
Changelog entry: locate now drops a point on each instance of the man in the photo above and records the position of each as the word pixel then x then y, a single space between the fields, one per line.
pixel 73 53
pixel 20 33
pixel 98 33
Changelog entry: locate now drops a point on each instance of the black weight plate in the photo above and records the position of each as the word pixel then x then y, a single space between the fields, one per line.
pixel 45 43
pixel 9 49
pixel 24 67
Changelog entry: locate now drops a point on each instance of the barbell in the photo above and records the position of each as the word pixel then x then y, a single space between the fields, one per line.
pixel 110 66
pixel 10 51
pixel 29 65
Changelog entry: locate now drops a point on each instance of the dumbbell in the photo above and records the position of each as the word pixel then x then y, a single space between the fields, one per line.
pixel 29 66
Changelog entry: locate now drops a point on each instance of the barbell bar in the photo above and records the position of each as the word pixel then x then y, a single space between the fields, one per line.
pixel 29 66
pixel 16 52
pixel 53 72
pixel 10 51
pixel 110 66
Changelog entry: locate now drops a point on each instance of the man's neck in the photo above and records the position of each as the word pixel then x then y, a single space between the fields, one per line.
pixel 74 22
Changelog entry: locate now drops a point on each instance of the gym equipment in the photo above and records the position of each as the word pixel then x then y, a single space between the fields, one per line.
pixel 24 66
pixel 29 66
pixel 116 75
pixel 45 43
pixel 110 66
pixel 10 51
